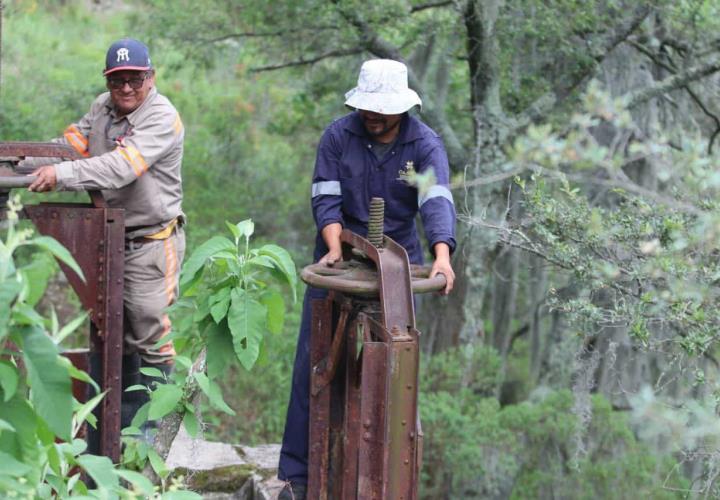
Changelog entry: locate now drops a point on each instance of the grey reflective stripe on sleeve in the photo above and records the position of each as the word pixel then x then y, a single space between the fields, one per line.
pixel 436 191
pixel 326 187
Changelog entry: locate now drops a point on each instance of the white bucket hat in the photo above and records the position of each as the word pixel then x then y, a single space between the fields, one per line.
pixel 383 88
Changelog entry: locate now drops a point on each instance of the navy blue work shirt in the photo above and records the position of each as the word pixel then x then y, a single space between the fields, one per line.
pixel 348 174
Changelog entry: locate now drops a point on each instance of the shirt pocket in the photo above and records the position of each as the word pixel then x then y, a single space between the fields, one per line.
pixel 403 201
pixel 354 197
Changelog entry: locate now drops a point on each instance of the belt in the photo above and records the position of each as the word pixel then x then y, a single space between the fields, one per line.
pixel 137 243
pixel 163 234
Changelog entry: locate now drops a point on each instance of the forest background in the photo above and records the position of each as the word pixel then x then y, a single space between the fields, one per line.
pixel 577 357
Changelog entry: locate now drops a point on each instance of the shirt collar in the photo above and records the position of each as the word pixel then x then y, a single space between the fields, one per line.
pixel 132 117
pixel 409 128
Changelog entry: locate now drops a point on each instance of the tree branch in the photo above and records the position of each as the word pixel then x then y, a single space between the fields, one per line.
pixel 431 5
pixel 677 81
pixel 312 60
pixel 671 68
pixel 549 101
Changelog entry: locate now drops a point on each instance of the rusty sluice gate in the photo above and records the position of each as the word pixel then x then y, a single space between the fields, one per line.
pixel 95 236
pixel 365 434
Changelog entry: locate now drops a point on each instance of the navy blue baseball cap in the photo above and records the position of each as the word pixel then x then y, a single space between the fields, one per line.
pixel 127 54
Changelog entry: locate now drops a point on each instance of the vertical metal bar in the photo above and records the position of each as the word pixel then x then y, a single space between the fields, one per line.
pixel 402 417
pixel 372 456
pixel 352 424
pixel 111 301
pixel 319 435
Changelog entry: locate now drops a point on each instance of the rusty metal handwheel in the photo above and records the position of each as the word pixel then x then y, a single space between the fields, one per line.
pixel 357 278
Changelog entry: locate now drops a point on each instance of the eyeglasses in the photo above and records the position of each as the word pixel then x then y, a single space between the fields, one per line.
pixel 117 83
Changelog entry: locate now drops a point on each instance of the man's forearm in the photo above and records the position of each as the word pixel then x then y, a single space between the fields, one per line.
pixel 331 236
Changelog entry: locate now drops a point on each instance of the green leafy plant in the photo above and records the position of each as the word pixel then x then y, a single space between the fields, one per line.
pixel 230 300
pixel 40 452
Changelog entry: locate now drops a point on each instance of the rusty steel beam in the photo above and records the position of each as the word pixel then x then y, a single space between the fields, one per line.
pixel 365 436
pixel 12 152
pixel 95 237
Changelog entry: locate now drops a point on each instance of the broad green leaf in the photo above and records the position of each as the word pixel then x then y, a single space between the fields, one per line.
pixel 101 469
pixel 5 426
pixel 58 251
pixel 275 305
pixel 246 319
pixel 183 361
pixel 262 260
pixel 163 400
pixel 234 230
pixel 152 372
pixel 202 254
pixel 78 374
pixel 23 314
pixel 190 421
pixel 284 263
pixel 204 382
pixel 220 351
pixel 157 463
pixel 36 276
pixel 51 389
pixel 73 449
pixel 8 291
pixel 131 431
pixel 213 393
pixel 219 303
pixel 8 380
pixel 137 480
pixel 21 444
pixel 141 416
pixel 11 466
pixel 246 228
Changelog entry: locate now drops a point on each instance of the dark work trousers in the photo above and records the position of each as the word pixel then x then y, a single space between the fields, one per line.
pixel 294 452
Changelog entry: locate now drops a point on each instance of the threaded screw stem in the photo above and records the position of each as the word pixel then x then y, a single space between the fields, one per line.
pixel 375 223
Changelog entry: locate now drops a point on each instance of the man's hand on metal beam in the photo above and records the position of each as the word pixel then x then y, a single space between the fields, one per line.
pixel 46 180
pixel 442 266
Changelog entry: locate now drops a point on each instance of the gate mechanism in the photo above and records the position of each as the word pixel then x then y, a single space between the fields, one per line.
pixel 95 236
pixel 365 434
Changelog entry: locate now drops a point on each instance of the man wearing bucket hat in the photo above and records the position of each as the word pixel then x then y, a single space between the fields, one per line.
pixel 131 141
pixel 370 152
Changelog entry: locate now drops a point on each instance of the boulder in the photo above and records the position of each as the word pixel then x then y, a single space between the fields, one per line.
pixel 223 471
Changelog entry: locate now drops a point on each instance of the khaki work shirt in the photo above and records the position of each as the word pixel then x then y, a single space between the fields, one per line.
pixel 134 159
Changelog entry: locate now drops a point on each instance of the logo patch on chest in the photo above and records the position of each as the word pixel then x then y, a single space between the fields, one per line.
pixel 407 173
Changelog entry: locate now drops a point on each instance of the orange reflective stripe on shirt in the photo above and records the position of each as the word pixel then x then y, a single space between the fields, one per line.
pixel 78 141
pixel 134 158
pixel 178 125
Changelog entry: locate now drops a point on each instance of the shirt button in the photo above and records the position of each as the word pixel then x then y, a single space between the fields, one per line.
pixel 369 146
pixel 393 152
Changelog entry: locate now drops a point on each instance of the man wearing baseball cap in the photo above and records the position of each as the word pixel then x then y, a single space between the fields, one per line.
pixel 370 152
pixel 131 141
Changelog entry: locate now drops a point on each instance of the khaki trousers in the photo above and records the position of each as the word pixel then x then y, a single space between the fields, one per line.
pixel 152 271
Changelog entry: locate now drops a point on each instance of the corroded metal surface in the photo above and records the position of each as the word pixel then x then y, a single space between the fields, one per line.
pixel 21 150
pixel 359 278
pixel 17 177
pixel 95 237
pixel 365 438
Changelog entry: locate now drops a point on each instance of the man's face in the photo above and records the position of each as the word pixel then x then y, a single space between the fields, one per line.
pixel 124 96
pixel 383 128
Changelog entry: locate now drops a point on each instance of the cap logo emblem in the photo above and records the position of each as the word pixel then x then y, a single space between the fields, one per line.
pixel 123 55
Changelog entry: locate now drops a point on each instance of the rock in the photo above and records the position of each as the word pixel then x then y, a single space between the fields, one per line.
pixel 225 472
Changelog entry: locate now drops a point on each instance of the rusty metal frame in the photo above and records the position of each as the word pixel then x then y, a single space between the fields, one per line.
pixel 95 236
pixel 365 437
